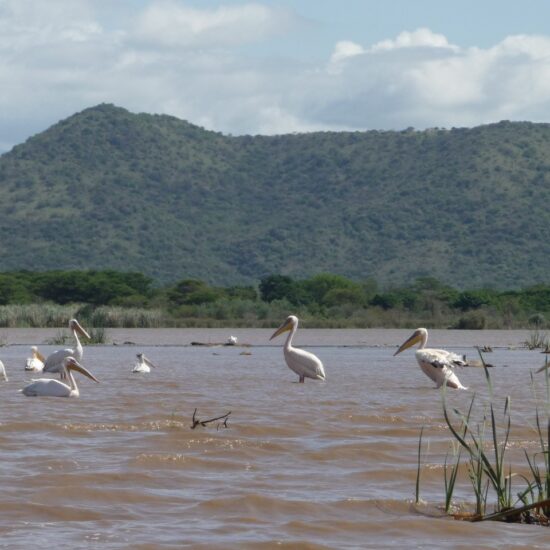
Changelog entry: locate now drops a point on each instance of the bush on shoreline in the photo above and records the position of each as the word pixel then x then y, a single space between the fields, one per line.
pixel 115 299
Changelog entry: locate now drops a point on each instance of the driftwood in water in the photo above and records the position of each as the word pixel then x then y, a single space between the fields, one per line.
pixel 216 344
pixel 198 421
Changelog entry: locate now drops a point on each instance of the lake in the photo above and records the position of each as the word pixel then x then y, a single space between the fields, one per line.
pixel 314 465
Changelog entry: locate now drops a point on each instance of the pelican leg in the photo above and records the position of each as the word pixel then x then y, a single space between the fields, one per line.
pixel 302 379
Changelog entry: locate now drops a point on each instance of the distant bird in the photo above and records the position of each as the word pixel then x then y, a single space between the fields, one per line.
pixel 143 364
pixel 35 363
pixel 3 375
pixel 49 387
pixel 231 341
pixel 303 363
pixel 437 364
pixel 54 362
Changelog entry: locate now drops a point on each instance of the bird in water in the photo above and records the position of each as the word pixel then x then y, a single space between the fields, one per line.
pixel 35 362
pixel 54 362
pixel 49 387
pixel 437 364
pixel 303 363
pixel 3 375
pixel 143 364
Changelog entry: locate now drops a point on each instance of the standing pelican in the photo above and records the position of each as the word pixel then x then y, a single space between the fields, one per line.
pixel 36 361
pixel 3 375
pixel 55 388
pixel 143 364
pixel 303 363
pixel 54 362
pixel 437 364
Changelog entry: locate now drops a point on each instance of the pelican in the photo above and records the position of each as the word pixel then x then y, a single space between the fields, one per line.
pixel 36 361
pixel 231 341
pixel 143 364
pixel 3 375
pixel 55 388
pixel 437 364
pixel 54 362
pixel 303 363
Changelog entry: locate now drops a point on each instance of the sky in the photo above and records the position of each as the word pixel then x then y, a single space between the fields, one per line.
pixel 274 67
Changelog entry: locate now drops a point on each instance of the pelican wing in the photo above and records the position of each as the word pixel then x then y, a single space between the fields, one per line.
pixel 440 358
pixel 438 365
pixel 54 362
pixel 34 364
pixel 47 387
pixel 305 364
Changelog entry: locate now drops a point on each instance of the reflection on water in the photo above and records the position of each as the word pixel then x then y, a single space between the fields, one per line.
pixel 314 465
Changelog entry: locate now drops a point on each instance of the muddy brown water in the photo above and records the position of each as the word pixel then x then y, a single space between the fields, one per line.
pixel 314 465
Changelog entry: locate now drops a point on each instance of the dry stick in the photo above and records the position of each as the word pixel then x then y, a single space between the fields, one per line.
pixel 513 511
pixel 197 421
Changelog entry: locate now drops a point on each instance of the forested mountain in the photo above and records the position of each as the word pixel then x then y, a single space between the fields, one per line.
pixel 106 188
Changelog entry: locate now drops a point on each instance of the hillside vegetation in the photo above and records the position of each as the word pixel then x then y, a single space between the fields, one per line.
pixel 108 189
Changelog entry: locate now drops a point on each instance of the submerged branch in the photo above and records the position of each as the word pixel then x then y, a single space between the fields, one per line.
pixel 197 421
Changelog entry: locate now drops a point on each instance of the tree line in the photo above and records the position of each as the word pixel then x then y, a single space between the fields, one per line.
pixel 321 300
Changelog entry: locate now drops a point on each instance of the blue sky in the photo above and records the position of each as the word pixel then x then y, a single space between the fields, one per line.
pixel 270 67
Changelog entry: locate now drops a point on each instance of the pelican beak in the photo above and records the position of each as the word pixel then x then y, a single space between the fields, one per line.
pixel 78 327
pixel 410 342
pixel 147 362
pixel 74 365
pixel 287 325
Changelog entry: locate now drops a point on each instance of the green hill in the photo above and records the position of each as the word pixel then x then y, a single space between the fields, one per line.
pixel 106 188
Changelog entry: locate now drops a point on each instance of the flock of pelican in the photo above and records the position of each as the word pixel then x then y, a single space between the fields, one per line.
pixel 436 364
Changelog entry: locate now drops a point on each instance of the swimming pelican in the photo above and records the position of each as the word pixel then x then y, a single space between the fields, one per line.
pixel 303 363
pixel 36 361
pixel 3 375
pixel 231 341
pixel 143 364
pixel 54 362
pixel 49 387
pixel 437 364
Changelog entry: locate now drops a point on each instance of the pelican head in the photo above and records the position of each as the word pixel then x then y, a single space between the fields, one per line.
pixel 77 327
pixel 419 335
pixel 70 363
pixel 289 323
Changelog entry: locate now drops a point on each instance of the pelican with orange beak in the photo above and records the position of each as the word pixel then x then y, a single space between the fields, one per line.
pixel 35 362
pixel 143 364
pixel 54 362
pixel 437 364
pixel 303 363
pixel 49 387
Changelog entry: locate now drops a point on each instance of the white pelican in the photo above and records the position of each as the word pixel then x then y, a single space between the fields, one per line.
pixel 143 364
pixel 303 363
pixel 54 362
pixel 55 388
pixel 231 341
pixel 36 361
pixel 3 375
pixel 437 364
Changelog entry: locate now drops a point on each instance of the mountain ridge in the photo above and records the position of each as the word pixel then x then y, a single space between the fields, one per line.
pixel 106 188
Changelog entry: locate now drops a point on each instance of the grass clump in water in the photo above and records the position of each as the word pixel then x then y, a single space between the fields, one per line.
pixel 484 445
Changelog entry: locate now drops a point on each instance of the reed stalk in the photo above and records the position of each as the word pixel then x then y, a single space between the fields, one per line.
pixel 417 491
pixel 487 469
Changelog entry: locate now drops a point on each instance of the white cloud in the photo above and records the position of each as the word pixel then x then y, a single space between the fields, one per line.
pixel 173 24
pixel 345 49
pixel 62 56
pixel 420 38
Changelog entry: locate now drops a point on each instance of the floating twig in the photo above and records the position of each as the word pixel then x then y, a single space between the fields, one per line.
pixel 197 421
